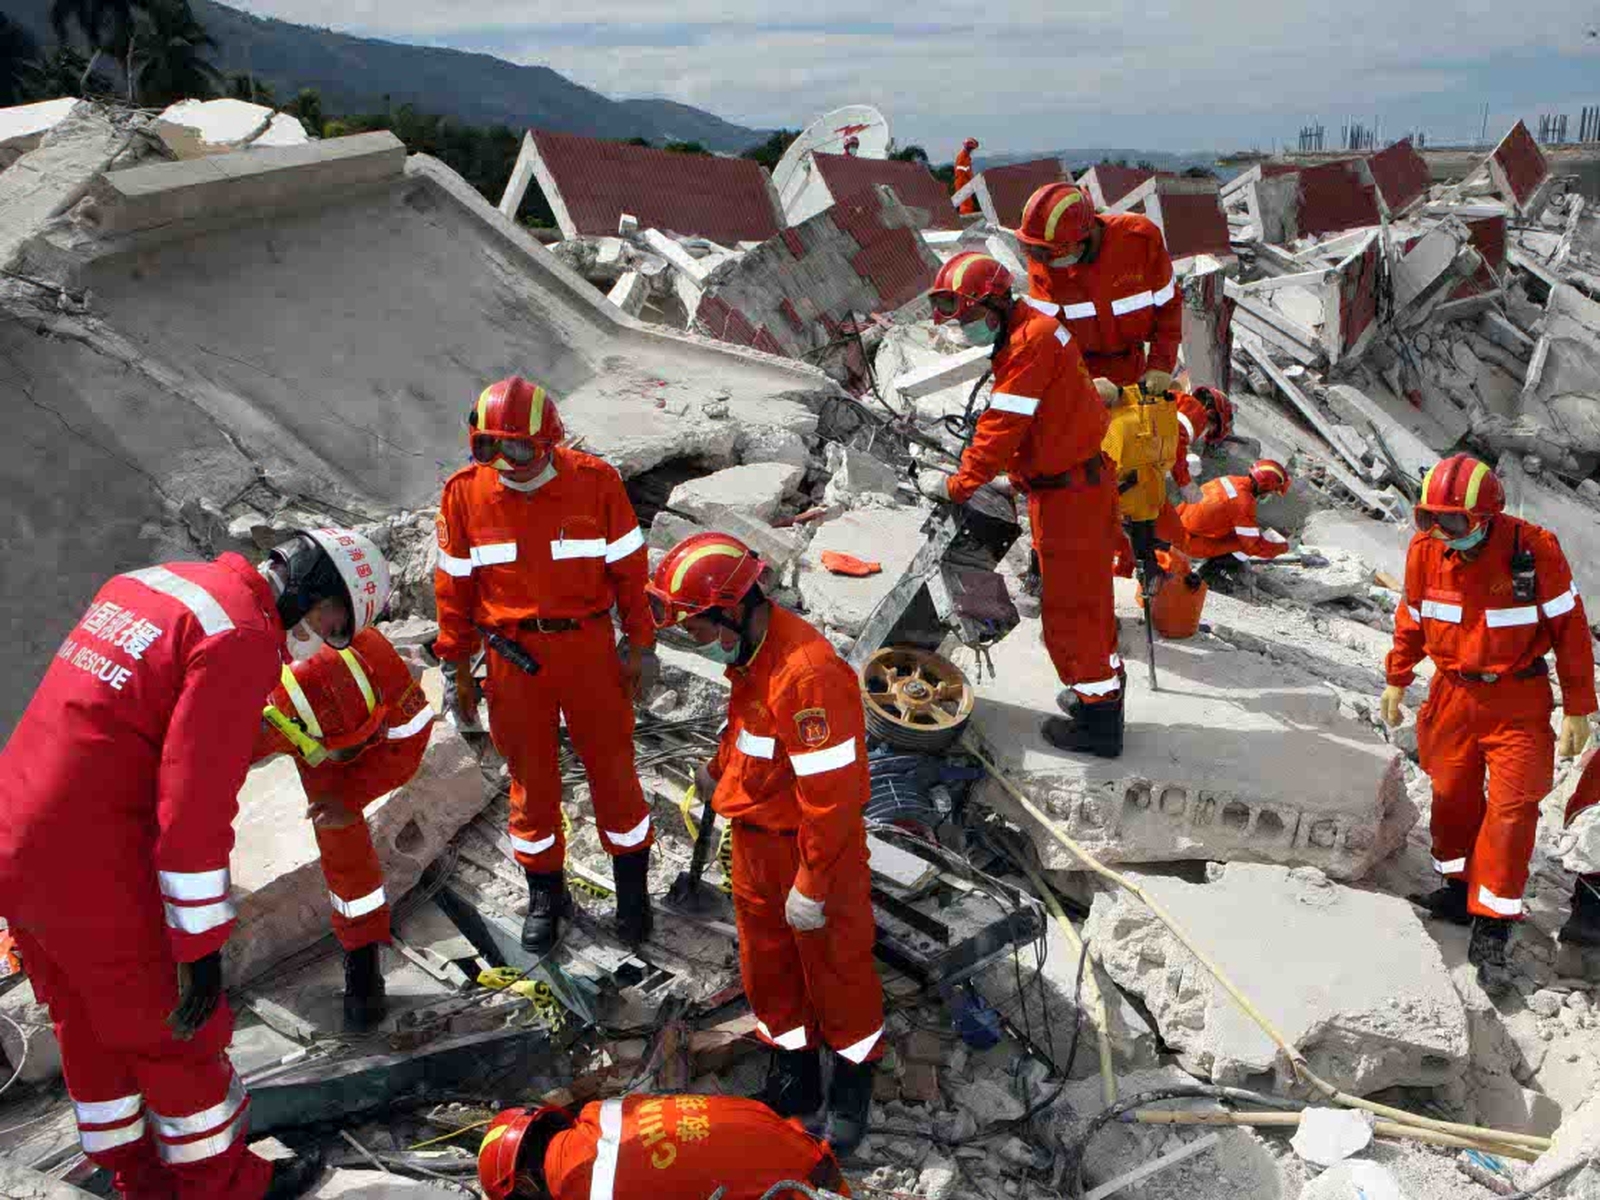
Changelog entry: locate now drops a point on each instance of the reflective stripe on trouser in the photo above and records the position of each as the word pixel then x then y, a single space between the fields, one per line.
pixel 1503 729
pixel 580 677
pixel 823 984
pixel 355 885
pixel 1075 532
pixel 1169 529
pixel 109 1011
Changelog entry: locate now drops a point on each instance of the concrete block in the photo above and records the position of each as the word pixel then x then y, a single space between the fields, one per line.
pixel 18 1182
pixel 855 474
pixel 777 547
pixel 373 1185
pixel 1414 439
pixel 1380 545
pixel 950 370
pixel 23 126
pixel 668 529
pixel 755 488
pixel 277 874
pixel 891 536
pixel 200 128
pixel 1345 577
pixel 47 181
pixel 1577 1140
pixel 772 444
pixel 1236 758
pixel 1367 1012
pixel 43 1060
pixel 630 292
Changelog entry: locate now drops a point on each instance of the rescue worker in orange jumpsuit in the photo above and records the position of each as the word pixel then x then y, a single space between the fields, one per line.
pixel 537 544
pixel 1224 522
pixel 1044 426
pixel 963 175
pixel 1580 849
pixel 1109 278
pixel 1487 596
pixel 1205 417
pixel 118 790
pixel 362 726
pixel 790 775
pixel 666 1147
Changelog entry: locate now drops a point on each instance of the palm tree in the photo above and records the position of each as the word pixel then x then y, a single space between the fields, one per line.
pixel 107 25
pixel 18 53
pixel 60 72
pixel 171 54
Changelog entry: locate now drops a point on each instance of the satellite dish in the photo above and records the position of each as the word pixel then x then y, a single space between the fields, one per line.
pixel 794 178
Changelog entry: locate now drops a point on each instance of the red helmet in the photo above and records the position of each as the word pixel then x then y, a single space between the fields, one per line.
pixel 971 143
pixel 1220 410
pixel 1057 215
pixel 706 571
pixel 515 410
pixel 332 697
pixel 1463 488
pixel 966 282
pixel 851 143
pixel 1270 477
pixel 502 1144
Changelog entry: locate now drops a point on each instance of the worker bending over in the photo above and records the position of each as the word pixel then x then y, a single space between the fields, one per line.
pixel 1205 418
pixel 662 1147
pixel 537 544
pixel 963 175
pixel 1109 279
pixel 1487 597
pixel 118 790
pixel 1224 522
pixel 357 725
pixel 791 775
pixel 1580 848
pixel 1044 426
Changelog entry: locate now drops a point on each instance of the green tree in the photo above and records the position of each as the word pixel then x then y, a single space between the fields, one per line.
pixel 308 107
pixel 637 141
pixel 243 85
pixel 1146 165
pixel 1198 172
pixel 914 154
pixel 60 71
pixel 18 55
pixel 171 47
pixel 685 148
pixel 769 152
pixel 106 25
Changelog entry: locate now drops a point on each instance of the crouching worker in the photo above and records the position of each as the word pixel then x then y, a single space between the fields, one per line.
pixel 358 726
pixel 664 1147
pixel 1580 854
pixel 791 775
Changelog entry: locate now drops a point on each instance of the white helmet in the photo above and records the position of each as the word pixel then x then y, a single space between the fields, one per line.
pixel 335 563
pixel 362 567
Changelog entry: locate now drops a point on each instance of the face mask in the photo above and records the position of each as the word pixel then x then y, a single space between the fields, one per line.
pixel 981 332
pixel 718 653
pixel 1472 539
pixel 1068 260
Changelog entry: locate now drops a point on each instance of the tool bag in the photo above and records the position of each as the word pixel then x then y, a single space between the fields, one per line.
pixel 1143 443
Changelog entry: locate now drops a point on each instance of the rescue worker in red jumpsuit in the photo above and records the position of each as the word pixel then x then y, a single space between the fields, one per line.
pixel 790 775
pixel 1224 522
pixel 1581 855
pixel 664 1147
pixel 118 790
pixel 963 175
pixel 1044 425
pixel 1205 417
pixel 1487 596
pixel 1109 278
pixel 361 727
pixel 537 544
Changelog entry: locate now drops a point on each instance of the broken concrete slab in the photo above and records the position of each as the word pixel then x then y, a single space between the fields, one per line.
pixel 201 128
pixel 1562 388
pixel 49 180
pixel 18 1182
pixel 1345 577
pixel 1208 325
pixel 755 488
pixel 23 126
pixel 1576 1141
pixel 772 444
pixel 777 547
pixel 1431 269
pixel 375 1185
pixel 42 1060
pixel 1236 758
pixel 1380 545
pixel 842 603
pixel 1368 1013
pixel 857 474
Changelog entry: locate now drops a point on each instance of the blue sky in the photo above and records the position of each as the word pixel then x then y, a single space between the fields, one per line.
pixel 1158 75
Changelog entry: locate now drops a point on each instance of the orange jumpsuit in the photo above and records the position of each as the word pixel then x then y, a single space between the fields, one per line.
pixel 1125 298
pixel 1224 521
pixel 1490 703
pixel 544 568
pixel 683 1148
pixel 791 774
pixel 1044 425
pixel 1194 423
pixel 349 863
pixel 963 176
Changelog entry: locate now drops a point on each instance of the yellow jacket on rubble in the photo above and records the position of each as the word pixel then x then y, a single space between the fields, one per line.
pixel 1143 443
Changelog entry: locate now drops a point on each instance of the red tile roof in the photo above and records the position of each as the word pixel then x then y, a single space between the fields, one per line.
pixel 912 182
pixel 1401 175
pixel 1010 187
pixel 725 199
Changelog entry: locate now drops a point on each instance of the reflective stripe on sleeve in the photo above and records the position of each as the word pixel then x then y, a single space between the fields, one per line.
pixel 1022 406
pixel 1062 335
pixel 458 568
pixel 494 554
pixel 1276 538
pixel 858 1052
pixel 211 615
pixel 795 1039
pixel 526 847
pixel 416 725
pixel 1249 531
pixel 206 1119
pixel 201 918
pixel 108 1112
pixel 625 545
pixel 1133 303
pixel 1044 306
pixel 1450 613
pixel 755 747
pixel 1103 687
pixel 1077 312
pixel 1499 905
pixel 633 836
pixel 819 761
pixel 1415 615
pixel 1499 618
pixel 1165 295
pixel 603 1175
pixel 1241 556
pixel 578 548
pixel 1227 486
pixel 1188 425
pixel 194 885
pixel 350 910
pixel 1562 604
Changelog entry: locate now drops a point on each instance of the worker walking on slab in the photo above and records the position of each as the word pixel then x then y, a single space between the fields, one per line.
pixel 963 175
pixel 661 1146
pixel 357 725
pixel 791 776
pixel 1225 523
pixel 1487 597
pixel 118 790
pixel 1045 425
pixel 1108 278
pixel 1580 854
pixel 537 544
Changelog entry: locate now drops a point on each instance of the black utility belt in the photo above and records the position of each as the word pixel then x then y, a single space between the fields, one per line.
pixel 741 823
pixel 1090 472
pixel 1534 670
pixel 555 624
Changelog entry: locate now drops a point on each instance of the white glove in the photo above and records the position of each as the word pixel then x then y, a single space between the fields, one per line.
pixel 1579 843
pixel 802 912
pixel 1190 493
pixel 935 486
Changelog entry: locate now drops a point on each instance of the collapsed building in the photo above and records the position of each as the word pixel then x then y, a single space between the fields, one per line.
pixel 232 337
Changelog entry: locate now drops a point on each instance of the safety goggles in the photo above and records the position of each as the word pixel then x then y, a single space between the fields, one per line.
pixel 952 306
pixel 519 452
pixel 1446 525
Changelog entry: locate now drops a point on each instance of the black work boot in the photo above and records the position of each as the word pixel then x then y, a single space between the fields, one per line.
pixel 1583 926
pixel 547 904
pixel 1447 903
pixel 294 1177
pixel 1094 729
pixel 849 1105
pixel 635 919
pixel 1487 952
pixel 365 1003
pixel 794 1083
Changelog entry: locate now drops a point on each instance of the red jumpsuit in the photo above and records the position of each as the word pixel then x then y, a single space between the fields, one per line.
pixel 683 1148
pixel 963 176
pixel 1044 425
pixel 1194 424
pixel 545 567
pixel 1125 298
pixel 349 863
pixel 1224 521
pixel 791 775
pixel 118 790
pixel 1461 613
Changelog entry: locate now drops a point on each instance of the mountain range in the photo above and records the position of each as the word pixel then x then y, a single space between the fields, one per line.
pixel 363 75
